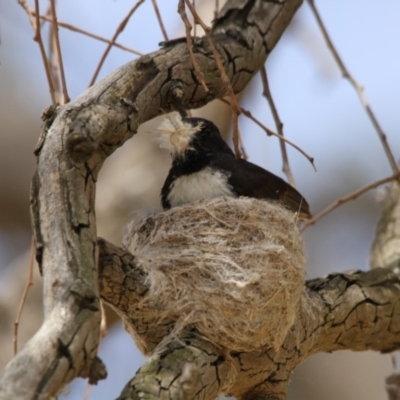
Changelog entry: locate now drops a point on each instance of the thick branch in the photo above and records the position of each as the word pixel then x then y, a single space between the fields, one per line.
pixel 361 310
pixel 186 368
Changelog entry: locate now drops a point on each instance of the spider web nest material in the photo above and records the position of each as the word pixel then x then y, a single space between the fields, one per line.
pixel 233 268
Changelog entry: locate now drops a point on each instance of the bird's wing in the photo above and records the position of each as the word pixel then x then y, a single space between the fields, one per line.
pixel 250 180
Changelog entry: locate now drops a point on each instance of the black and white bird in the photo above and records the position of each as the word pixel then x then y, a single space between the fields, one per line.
pixel 204 167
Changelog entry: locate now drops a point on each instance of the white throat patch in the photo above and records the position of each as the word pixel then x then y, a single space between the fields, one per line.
pixel 205 184
pixel 175 135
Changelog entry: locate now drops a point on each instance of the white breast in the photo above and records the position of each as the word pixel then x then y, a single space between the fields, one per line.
pixel 205 184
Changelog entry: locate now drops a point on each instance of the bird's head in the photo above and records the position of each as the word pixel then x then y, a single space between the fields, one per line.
pixel 180 136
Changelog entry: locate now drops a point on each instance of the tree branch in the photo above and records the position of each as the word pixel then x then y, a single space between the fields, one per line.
pixel 186 368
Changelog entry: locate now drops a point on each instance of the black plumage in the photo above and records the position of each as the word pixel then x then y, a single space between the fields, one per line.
pixel 203 166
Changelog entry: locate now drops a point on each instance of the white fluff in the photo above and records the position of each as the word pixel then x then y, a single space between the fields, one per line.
pixel 175 135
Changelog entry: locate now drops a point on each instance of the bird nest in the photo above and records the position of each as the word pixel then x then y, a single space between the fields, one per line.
pixel 233 268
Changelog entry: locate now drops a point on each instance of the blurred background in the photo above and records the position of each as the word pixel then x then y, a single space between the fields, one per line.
pixel 320 111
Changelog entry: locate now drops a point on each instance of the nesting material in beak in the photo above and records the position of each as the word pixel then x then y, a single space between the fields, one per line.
pixel 176 135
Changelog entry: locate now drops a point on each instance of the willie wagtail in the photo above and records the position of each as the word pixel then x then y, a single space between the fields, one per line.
pixel 204 167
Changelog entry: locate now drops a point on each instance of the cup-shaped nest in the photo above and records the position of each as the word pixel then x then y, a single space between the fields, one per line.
pixel 233 268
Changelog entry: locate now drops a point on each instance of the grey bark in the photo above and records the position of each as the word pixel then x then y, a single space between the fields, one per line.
pixel 75 141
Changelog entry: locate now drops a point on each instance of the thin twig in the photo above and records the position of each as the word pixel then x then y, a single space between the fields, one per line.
pixel 224 77
pixel 279 125
pixel 270 132
pixel 195 25
pixel 242 148
pixel 91 35
pixel 160 21
pixel 88 389
pixel 47 14
pixel 349 197
pixel 358 88
pixel 54 66
pixel 120 28
pixel 216 9
pixel 29 283
pixel 236 135
pixel 188 28
pixel 66 98
pixel 38 38
pixel 50 58
pixel 30 12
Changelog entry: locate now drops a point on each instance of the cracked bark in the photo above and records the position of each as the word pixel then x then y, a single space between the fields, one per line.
pixel 75 141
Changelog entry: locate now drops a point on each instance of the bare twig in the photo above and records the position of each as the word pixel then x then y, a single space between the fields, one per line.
pixel 270 132
pixel 195 25
pixel 47 14
pixel 242 148
pixel 120 28
pixel 358 88
pixel 38 38
pixel 29 283
pixel 236 135
pixel 88 389
pixel 160 21
pixel 224 77
pixel 349 197
pixel 29 11
pixel 91 35
pixel 188 28
pixel 32 14
pixel 279 125
pixel 54 65
pixel 216 9
pixel 66 98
